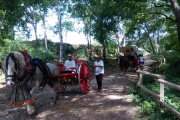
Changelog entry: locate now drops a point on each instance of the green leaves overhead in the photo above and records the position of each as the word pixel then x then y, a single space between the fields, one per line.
pixel 142 20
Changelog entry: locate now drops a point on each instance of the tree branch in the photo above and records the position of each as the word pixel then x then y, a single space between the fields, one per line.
pixel 150 38
pixel 161 5
pixel 91 8
pixel 163 15
pixel 145 49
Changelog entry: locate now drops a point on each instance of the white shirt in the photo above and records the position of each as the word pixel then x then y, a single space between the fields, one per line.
pixel 99 70
pixel 70 64
pixel 132 53
pixel 141 59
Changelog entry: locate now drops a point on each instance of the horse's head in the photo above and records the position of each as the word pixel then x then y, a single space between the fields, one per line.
pixel 11 67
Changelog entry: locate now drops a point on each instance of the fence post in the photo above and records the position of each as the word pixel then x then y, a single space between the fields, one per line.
pixel 155 66
pixel 164 60
pixel 151 67
pixel 140 82
pixel 161 89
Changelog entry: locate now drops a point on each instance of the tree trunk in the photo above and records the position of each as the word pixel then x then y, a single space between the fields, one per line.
pixel 145 49
pixel 124 44
pixel 34 23
pixel 158 41
pixel 60 33
pixel 90 42
pixel 150 39
pixel 176 10
pixel 117 37
pixel 178 27
pixel 45 35
pixel 104 54
pixel 35 29
pixel 87 37
pixel 65 41
pixel 118 43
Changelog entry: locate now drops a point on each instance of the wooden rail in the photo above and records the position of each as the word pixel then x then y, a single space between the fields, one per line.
pixel 159 57
pixel 156 64
pixel 159 98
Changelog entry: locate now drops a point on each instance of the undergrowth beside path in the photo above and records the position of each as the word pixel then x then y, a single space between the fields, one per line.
pixel 148 107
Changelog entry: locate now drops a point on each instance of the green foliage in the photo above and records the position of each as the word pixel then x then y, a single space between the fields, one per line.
pixel 33 50
pixel 81 52
pixel 149 108
pixel 141 35
pixel 14 45
pixel 172 56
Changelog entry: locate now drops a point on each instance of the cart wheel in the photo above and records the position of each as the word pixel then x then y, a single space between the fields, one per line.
pixel 61 89
pixel 84 77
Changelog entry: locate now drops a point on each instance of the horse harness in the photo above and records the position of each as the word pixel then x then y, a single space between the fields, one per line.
pixel 28 71
pixel 30 68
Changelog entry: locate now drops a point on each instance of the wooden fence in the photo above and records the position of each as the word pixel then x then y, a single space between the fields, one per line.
pixel 158 78
pixel 159 61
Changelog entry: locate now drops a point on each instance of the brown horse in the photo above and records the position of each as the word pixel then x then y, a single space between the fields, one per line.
pixel 18 76
pixel 123 63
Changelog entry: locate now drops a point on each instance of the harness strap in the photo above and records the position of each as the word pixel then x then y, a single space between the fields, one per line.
pixel 16 65
pixel 27 59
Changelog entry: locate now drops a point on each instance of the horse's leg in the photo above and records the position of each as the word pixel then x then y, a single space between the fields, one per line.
pixel 121 70
pixel 30 107
pixel 55 90
pixel 29 94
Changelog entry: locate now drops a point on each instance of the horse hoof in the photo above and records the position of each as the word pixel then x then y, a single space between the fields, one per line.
pixel 32 113
pixel 31 110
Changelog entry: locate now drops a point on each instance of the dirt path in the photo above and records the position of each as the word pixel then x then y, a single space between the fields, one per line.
pixel 110 104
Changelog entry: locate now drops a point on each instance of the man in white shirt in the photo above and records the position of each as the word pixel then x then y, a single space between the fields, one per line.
pixel 132 55
pixel 99 71
pixel 69 65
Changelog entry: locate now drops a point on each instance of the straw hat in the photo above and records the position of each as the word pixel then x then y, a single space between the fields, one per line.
pixel 69 55
pixel 97 56
pixel 121 54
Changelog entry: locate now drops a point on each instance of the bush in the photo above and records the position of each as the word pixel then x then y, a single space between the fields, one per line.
pixel 172 56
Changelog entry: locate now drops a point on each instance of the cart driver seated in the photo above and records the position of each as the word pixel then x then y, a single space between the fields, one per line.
pixel 69 65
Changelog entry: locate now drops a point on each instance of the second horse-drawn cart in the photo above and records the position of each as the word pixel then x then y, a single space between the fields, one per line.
pixel 135 62
pixel 81 77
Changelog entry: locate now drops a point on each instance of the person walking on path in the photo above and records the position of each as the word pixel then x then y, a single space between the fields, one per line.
pixel 99 71
pixel 141 60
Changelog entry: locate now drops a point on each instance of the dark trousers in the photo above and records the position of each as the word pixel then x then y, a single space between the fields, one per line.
pixel 66 71
pixel 131 58
pixel 99 80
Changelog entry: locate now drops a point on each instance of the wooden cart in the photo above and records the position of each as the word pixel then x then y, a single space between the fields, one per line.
pixel 81 77
pixel 136 60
